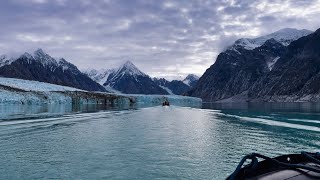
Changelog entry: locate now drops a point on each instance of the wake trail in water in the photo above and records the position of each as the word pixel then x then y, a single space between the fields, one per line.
pixel 15 128
pixel 275 122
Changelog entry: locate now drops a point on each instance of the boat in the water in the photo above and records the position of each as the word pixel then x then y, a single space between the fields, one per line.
pixel 166 103
pixel 302 166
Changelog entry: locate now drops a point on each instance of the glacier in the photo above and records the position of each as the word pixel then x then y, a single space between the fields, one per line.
pixel 28 85
pixel 18 91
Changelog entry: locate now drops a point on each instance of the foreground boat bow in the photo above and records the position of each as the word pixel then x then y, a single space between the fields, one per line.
pixel 302 166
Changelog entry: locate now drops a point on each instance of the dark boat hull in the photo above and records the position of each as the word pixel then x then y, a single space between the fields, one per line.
pixel 287 169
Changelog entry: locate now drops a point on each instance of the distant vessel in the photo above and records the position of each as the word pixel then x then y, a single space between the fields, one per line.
pixel 166 103
pixel 302 166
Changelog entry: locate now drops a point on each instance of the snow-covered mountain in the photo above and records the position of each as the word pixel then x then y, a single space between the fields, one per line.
pixel 127 79
pixel 128 69
pixel 284 36
pixel 100 76
pixel 40 66
pixel 176 86
pixel 4 60
pixel 191 80
pixel 130 80
pixel 243 64
pixel 172 87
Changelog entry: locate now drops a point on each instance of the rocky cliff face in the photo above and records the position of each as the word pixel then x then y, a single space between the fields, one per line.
pixel 42 67
pixel 238 68
pixel 295 76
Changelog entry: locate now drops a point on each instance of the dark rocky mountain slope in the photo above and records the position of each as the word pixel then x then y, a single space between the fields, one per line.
pixel 296 75
pixel 239 67
pixel 236 70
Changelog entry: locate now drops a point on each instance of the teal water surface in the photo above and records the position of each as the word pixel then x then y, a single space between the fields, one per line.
pixel 149 143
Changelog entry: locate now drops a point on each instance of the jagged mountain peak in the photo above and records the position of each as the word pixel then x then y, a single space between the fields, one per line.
pixel 129 68
pixel 3 56
pixel 192 76
pixel 4 60
pixel 44 58
pixel 26 55
pixel 42 67
pixel 62 60
pixel 125 79
pixel 191 80
pixel 39 52
pixel 129 64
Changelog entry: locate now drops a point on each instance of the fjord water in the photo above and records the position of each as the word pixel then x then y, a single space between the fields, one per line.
pixel 173 142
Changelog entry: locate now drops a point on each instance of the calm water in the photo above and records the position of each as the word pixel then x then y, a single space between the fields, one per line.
pixel 149 143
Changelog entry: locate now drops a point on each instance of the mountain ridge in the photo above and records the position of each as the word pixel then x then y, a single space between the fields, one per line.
pixel 40 66
pixel 109 78
pixel 127 78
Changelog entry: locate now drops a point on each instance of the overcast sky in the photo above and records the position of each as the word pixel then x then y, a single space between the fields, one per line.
pixel 163 38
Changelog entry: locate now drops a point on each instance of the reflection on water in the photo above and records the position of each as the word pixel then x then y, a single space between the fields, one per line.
pixel 94 142
pixel 305 107
pixel 9 112
pixel 19 111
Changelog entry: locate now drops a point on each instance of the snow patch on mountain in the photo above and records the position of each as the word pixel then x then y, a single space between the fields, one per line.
pixel 4 60
pixel 100 76
pixel 284 36
pixel 167 89
pixel 271 63
pixel 112 90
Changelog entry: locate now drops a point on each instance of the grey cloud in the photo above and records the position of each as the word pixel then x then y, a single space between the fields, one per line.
pixel 163 38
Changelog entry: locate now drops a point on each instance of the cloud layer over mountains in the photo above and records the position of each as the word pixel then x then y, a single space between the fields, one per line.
pixel 164 38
